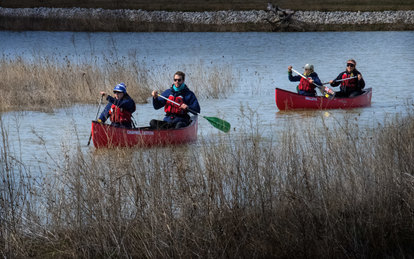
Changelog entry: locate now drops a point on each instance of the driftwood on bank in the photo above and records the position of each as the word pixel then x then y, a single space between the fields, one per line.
pixel 271 19
pixel 281 19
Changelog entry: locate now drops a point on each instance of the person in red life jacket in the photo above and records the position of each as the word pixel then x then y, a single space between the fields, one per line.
pixel 118 109
pixel 306 86
pixel 175 116
pixel 351 81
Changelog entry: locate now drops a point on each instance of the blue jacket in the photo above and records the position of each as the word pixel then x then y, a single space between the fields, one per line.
pixel 189 98
pixel 314 77
pixel 126 103
pixel 297 78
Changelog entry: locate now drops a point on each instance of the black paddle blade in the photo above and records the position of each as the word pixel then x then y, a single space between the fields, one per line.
pixel 219 123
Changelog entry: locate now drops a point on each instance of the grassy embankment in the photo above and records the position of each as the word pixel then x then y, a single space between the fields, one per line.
pixel 119 23
pixel 46 84
pixel 345 192
pixel 214 5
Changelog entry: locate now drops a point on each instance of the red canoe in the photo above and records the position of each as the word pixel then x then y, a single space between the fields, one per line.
pixel 286 100
pixel 105 135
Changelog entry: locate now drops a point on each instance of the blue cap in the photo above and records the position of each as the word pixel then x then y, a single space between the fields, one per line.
pixel 121 87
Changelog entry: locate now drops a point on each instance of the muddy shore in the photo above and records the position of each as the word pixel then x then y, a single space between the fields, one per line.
pixel 272 19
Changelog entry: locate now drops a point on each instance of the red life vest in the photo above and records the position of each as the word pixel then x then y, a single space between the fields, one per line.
pixel 304 85
pixel 119 115
pixel 171 108
pixel 349 84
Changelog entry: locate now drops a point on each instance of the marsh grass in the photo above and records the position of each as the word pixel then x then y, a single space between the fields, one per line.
pixel 346 192
pixel 47 83
pixel 214 81
pixel 214 5
pixel 207 81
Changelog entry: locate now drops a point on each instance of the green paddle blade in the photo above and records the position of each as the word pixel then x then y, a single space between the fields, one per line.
pixel 219 123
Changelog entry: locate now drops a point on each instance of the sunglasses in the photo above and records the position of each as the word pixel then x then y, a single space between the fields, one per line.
pixel 177 80
pixel 117 92
pixel 350 65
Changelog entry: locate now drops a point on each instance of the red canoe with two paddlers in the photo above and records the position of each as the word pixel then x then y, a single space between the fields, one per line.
pixel 286 100
pixel 107 136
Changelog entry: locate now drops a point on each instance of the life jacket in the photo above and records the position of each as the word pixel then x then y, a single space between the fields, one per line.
pixel 171 108
pixel 119 115
pixel 304 85
pixel 350 84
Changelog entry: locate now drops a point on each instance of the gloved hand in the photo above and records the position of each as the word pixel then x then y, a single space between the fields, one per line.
pixel 100 121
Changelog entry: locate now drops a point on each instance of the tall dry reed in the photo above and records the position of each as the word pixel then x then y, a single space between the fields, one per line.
pixel 347 192
pixel 47 83
pixel 207 81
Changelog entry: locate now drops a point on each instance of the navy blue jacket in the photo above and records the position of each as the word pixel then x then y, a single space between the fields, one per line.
pixel 314 77
pixel 297 78
pixel 189 98
pixel 125 103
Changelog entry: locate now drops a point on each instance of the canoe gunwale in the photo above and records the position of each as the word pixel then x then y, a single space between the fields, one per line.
pixel 107 136
pixel 286 100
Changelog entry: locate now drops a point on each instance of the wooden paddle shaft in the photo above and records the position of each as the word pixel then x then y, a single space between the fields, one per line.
pixel 304 77
pixel 193 112
pixel 97 113
pixel 215 122
pixel 324 90
pixel 341 80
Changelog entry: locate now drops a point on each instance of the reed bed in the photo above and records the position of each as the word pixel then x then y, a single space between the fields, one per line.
pixel 347 192
pixel 207 81
pixel 47 83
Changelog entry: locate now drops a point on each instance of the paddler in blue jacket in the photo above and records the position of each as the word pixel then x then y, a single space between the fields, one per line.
pixel 306 86
pixel 118 109
pixel 175 116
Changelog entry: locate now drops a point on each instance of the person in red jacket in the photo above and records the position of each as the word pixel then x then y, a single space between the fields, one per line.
pixel 175 116
pixel 118 109
pixel 351 81
pixel 306 86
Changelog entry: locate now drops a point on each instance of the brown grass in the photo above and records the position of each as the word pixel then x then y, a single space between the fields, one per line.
pixel 48 83
pixel 346 192
pixel 18 23
pixel 122 25
pixel 214 5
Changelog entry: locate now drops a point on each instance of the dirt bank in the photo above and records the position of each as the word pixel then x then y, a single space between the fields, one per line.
pixel 272 19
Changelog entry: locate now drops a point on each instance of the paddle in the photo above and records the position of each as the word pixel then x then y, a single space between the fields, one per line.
pixel 99 107
pixel 215 122
pixel 340 80
pixel 326 91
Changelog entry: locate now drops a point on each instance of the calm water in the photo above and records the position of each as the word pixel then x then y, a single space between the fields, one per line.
pixel 259 61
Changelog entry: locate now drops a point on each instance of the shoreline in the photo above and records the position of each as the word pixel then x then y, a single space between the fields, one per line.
pixel 270 20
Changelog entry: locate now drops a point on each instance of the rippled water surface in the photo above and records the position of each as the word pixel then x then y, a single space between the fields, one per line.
pixel 259 62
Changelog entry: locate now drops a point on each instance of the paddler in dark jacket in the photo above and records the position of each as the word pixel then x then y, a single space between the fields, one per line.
pixel 175 116
pixel 351 81
pixel 118 109
pixel 306 86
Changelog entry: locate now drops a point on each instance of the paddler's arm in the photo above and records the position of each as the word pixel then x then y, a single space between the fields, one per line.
pixel 158 102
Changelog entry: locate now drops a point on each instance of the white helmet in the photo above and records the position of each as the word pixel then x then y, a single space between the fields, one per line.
pixel 308 66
